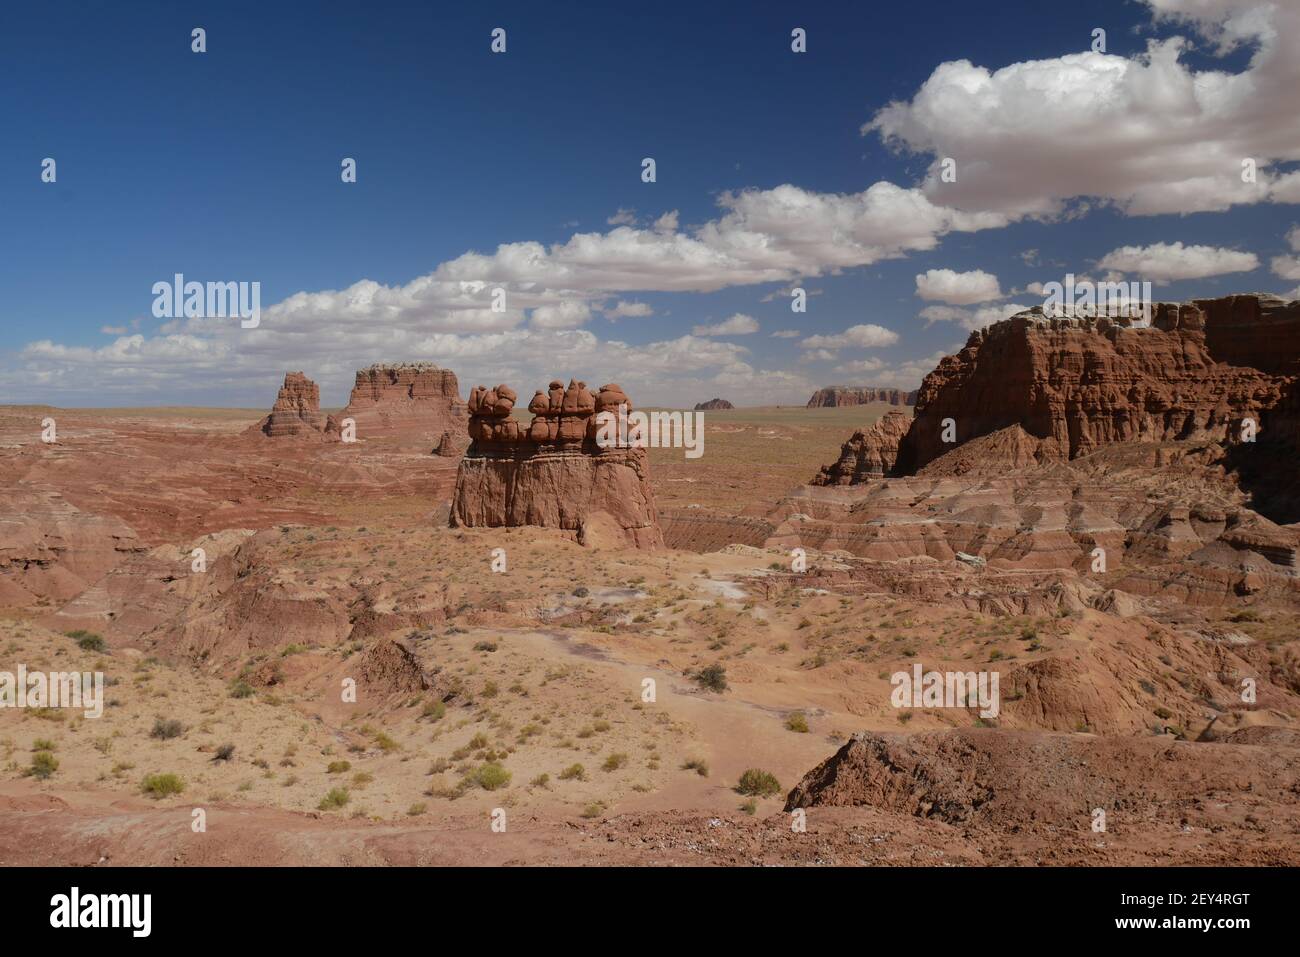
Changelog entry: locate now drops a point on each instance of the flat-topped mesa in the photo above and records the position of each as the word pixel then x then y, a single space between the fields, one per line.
pixel 552 471
pixel 835 396
pixel 1204 370
pixel 296 410
pixel 418 400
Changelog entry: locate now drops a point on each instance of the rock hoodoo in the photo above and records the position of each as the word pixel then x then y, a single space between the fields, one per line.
pixel 551 472
pixel 840 395
pixel 713 405
pixel 296 410
pixel 1072 385
pixel 415 400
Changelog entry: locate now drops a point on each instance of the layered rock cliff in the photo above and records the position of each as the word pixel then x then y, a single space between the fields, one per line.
pixel 551 472
pixel 1198 372
pixel 842 395
pixel 296 410
pixel 411 400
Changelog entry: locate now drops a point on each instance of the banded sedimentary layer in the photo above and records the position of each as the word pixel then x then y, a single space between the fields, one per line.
pixel 551 472
pixel 842 395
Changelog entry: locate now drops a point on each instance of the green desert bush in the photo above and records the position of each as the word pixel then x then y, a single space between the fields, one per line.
pixel 758 783
pixel 162 785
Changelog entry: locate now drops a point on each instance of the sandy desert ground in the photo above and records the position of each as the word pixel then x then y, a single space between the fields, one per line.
pixel 519 695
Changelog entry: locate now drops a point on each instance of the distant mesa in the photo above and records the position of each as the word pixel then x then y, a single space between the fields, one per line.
pixel 551 472
pixel 713 405
pixel 835 396
pixel 408 400
pixel 296 410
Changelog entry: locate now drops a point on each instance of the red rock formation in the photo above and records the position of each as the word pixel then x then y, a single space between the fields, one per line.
pixel 841 395
pixel 1074 385
pixel 551 472
pixel 713 405
pixel 416 401
pixel 296 410
pixel 869 454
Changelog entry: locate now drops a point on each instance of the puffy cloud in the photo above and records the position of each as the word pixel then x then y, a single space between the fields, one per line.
pixel 786 334
pixel 770 235
pixel 906 375
pixel 624 217
pixel 958 288
pixel 1165 262
pixel 113 330
pixel 565 315
pixel 625 310
pixel 667 223
pixel 738 325
pixel 1287 267
pixel 971 318
pixel 860 366
pixel 864 336
pixel 1147 133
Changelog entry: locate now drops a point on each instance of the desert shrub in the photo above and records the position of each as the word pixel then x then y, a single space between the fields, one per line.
pixel 574 772
pixel 43 765
pixel 225 752
pixel 165 730
pixel 435 710
pixel 713 677
pixel 614 762
pixel 593 810
pixel 43 744
pixel 417 809
pixel 758 783
pixel 796 721
pixel 338 767
pixel 87 640
pixel 241 689
pixel 162 785
pixel 698 765
pixel 334 799
pixel 485 646
pixel 491 776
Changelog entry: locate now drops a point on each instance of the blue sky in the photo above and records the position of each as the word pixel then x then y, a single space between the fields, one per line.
pixel 224 166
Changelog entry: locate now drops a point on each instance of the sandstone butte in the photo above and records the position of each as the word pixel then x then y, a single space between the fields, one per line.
pixel 1058 388
pixel 296 410
pixel 841 395
pixel 713 405
pixel 409 401
pixel 551 472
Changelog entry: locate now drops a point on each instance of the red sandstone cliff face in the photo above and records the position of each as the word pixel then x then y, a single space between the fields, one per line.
pixel 416 401
pixel 841 395
pixel 869 454
pixel 296 410
pixel 550 471
pixel 1074 385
